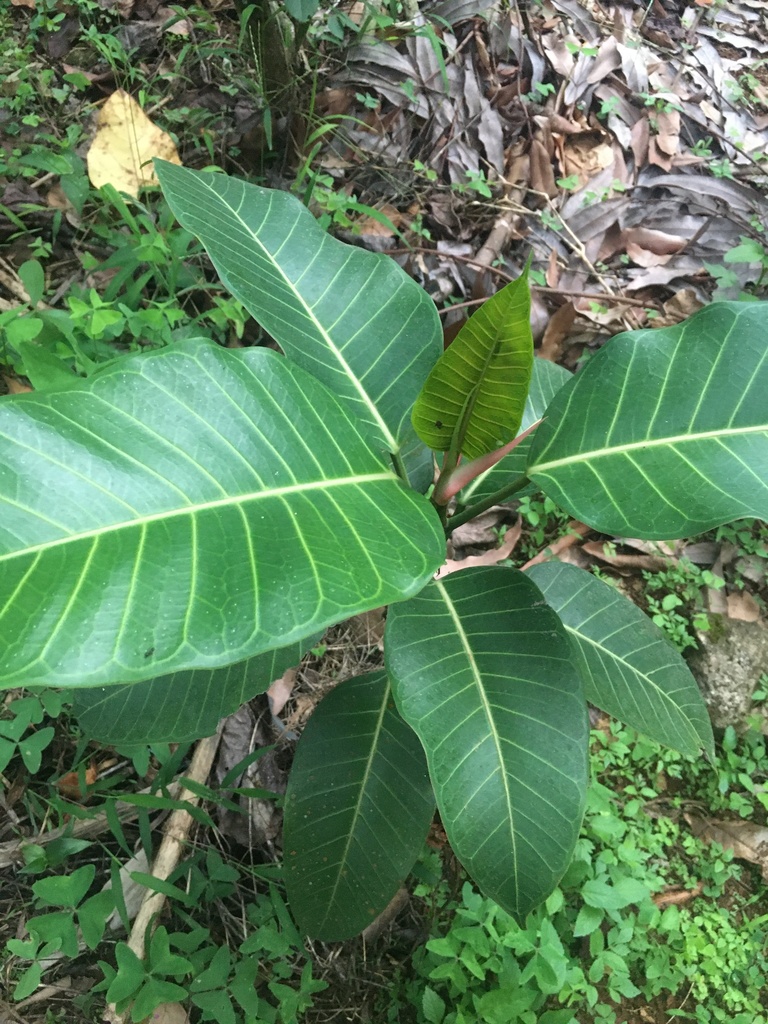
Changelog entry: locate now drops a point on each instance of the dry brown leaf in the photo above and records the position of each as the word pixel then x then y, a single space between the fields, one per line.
pixel 542 175
pixel 31 4
pixel 644 257
pixel 168 1013
pixel 125 143
pixel 653 563
pixel 742 606
pixel 16 386
pixel 368 225
pixel 557 331
pixel 676 896
pixel 69 785
pixel 280 691
pixel 640 136
pixel 490 557
pixel 586 155
pixel 748 841
pixel 667 131
pixel 576 531
pixel 480 531
pixel 659 242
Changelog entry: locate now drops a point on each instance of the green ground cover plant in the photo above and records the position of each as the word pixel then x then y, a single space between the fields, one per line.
pixel 178 528
pixel 605 940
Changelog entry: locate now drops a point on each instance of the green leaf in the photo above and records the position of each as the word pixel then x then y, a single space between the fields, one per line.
pixel 182 705
pixel 352 318
pixel 32 746
pixel 432 1006
pixel 587 920
pixel 629 667
pixel 64 890
pixel 32 277
pixel 28 982
pixel 546 380
pixel 301 10
pixel 604 896
pixel 153 994
pixel 479 384
pixel 357 810
pixel 664 433
pixel 482 671
pixel 46 371
pixel 188 509
pixel 162 960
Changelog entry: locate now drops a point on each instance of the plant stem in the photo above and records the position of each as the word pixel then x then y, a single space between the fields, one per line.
pixel 481 506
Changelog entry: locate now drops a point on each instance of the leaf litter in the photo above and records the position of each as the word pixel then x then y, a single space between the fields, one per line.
pixel 622 143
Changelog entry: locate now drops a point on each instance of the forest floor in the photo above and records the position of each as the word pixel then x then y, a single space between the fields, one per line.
pixel 624 146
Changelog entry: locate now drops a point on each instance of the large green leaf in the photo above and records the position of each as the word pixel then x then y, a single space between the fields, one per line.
pixel 483 671
pixel 629 667
pixel 664 433
pixel 180 706
pixel 482 378
pixel 546 380
pixel 188 509
pixel 352 318
pixel 357 810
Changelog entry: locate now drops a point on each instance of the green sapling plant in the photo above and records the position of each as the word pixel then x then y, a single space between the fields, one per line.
pixel 176 530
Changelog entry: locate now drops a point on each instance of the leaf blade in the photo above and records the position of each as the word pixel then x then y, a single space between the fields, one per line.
pixel 664 433
pixel 630 669
pixel 546 380
pixel 359 778
pixel 186 521
pixel 486 370
pixel 505 728
pixel 182 705
pixel 312 293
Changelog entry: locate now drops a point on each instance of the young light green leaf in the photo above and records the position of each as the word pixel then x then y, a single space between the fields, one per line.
pixel 546 380
pixel 664 433
pixel 352 318
pixel 180 706
pixel 629 667
pixel 189 509
pixel 357 810
pixel 479 385
pixel 482 671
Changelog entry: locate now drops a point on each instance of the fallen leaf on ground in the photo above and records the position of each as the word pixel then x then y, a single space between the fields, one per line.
pixel 557 331
pixel 168 1013
pixel 480 531
pixel 653 563
pixel 124 144
pixel 676 896
pixel 490 557
pixel 742 606
pixel 576 531
pixel 280 691
pixel 747 841
pixel 69 784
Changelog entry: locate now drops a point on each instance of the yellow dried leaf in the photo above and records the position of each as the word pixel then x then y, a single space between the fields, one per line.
pixel 124 144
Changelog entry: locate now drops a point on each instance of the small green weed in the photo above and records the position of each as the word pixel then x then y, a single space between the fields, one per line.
pixel 679 611
pixel 602 939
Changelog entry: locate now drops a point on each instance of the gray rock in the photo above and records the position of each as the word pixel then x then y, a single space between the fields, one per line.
pixel 728 665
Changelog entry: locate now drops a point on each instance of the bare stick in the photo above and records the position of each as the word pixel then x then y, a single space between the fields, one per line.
pixel 176 833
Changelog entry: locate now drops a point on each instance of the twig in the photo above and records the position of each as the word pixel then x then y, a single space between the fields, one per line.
pixel 576 531
pixel 541 289
pixel 11 851
pixel 176 833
